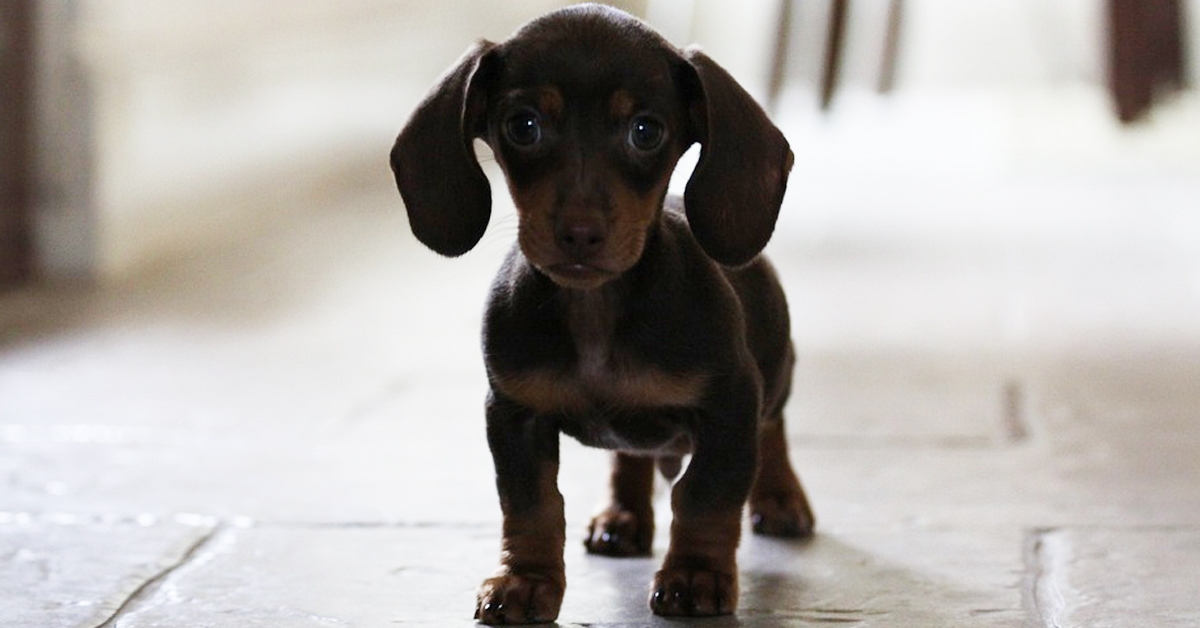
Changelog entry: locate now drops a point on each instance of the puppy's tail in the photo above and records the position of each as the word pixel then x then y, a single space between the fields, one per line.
pixel 669 466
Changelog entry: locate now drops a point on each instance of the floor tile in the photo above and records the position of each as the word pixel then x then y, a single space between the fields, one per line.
pixel 67 571
pixel 367 575
pixel 1106 577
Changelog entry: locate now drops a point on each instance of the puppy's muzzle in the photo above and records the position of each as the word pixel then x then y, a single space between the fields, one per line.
pixel 580 236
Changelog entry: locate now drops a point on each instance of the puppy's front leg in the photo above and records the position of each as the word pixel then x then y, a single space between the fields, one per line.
pixel 528 588
pixel 699 574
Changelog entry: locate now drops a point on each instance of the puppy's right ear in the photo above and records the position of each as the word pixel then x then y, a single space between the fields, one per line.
pixel 445 192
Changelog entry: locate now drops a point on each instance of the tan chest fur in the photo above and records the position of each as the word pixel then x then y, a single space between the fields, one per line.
pixel 603 376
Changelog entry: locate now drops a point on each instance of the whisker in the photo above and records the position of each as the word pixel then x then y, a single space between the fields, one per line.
pixel 503 230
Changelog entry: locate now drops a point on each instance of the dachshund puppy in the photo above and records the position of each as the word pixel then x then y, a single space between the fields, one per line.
pixel 628 320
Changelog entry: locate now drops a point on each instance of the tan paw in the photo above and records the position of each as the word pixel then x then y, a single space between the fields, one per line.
pixel 617 532
pixel 681 592
pixel 519 598
pixel 782 514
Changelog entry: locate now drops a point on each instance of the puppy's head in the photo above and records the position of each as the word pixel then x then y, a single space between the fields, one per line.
pixel 587 111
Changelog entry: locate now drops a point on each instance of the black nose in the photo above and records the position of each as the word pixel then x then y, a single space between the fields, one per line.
pixel 580 238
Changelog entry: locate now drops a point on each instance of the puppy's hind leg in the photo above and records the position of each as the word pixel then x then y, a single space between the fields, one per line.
pixel 626 526
pixel 778 505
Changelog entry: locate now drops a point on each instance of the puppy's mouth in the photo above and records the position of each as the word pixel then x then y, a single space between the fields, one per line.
pixel 577 275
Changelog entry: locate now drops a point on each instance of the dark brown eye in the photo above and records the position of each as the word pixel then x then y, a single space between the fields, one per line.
pixel 646 133
pixel 523 128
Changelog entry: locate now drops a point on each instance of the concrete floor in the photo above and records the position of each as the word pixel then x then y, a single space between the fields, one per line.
pixel 996 413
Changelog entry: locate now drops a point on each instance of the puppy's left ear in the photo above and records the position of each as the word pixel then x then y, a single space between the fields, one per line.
pixel 448 198
pixel 732 199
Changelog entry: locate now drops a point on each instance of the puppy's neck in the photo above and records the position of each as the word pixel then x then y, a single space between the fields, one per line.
pixel 592 316
pixel 592 320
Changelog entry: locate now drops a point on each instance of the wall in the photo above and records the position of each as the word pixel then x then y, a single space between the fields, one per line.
pixel 168 124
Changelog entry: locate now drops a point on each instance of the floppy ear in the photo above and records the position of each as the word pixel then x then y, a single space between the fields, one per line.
pixel 733 196
pixel 445 192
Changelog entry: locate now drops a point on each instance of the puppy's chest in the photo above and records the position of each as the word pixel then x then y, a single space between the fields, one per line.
pixel 607 371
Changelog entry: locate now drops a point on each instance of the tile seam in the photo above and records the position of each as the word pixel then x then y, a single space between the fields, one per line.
pixel 1044 550
pixel 151 585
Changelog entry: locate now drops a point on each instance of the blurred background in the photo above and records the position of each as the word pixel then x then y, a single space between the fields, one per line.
pixel 137 130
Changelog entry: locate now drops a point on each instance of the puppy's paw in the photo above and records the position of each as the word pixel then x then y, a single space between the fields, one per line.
pixel 785 514
pixel 618 532
pixel 679 592
pixel 523 597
